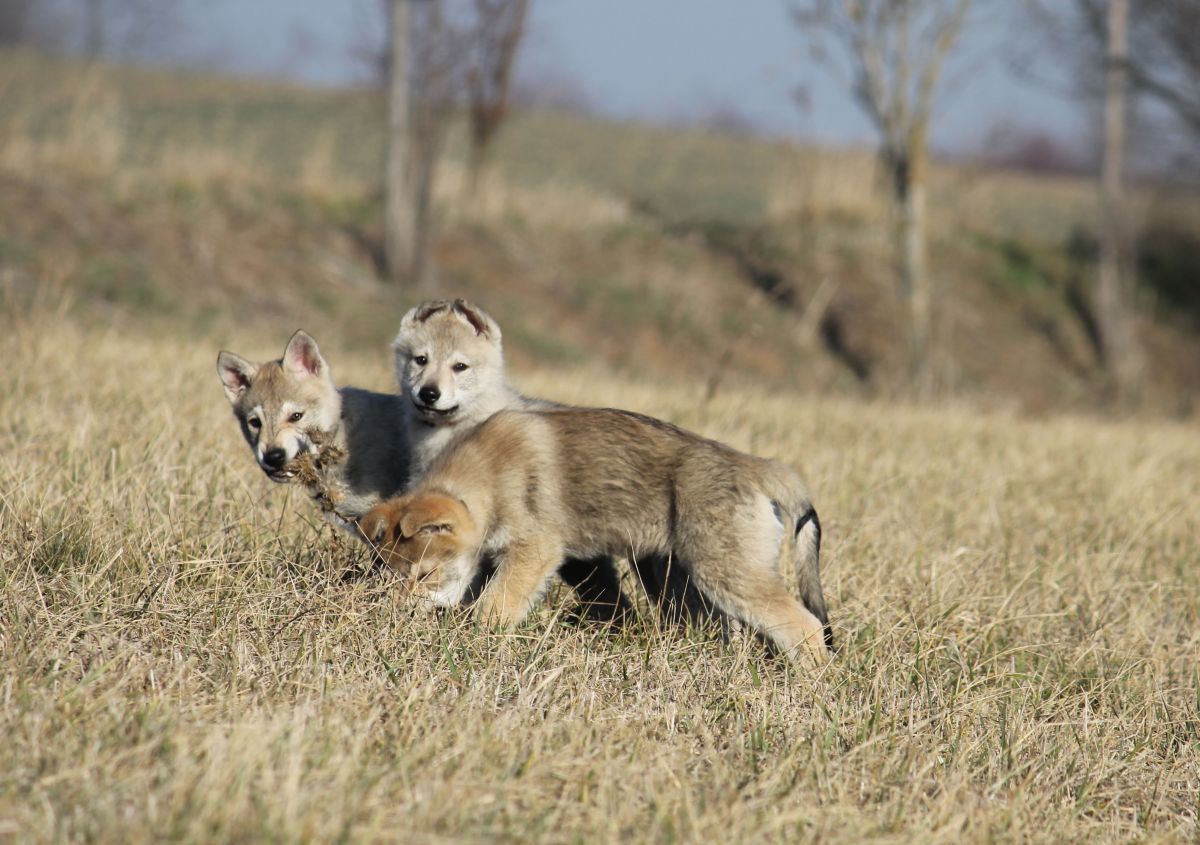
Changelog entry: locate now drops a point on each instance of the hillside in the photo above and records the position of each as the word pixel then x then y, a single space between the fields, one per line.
pixel 247 209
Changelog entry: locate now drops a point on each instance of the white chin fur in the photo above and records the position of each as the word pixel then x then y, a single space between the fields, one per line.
pixel 454 584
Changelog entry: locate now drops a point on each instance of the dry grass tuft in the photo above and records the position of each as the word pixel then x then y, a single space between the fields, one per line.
pixel 1017 603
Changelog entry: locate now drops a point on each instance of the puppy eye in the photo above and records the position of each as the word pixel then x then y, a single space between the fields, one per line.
pixel 420 360
pixel 296 416
pixel 255 423
pixel 460 366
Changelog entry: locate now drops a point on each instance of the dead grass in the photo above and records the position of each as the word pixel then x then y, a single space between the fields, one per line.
pixel 1016 601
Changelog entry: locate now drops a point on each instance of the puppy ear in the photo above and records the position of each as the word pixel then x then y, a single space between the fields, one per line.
pixel 373 528
pixel 478 319
pixel 434 513
pixel 421 313
pixel 436 528
pixel 236 374
pixel 373 525
pixel 411 523
pixel 412 317
pixel 302 357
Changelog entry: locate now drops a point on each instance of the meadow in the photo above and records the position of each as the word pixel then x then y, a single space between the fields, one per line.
pixel 1012 576
pixel 1016 603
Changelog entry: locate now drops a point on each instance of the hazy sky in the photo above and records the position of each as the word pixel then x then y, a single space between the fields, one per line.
pixel 655 59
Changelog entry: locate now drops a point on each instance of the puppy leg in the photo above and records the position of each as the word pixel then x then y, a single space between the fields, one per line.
pixel 792 627
pixel 671 590
pixel 519 581
pixel 598 586
pixel 761 599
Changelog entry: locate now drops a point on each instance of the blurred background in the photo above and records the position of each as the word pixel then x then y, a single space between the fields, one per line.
pixel 990 202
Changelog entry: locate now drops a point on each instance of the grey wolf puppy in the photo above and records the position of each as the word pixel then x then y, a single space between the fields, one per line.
pixel 529 487
pixel 449 363
pixel 347 447
pixel 450 370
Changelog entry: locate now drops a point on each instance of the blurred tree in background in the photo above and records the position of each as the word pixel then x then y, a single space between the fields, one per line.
pixel 895 51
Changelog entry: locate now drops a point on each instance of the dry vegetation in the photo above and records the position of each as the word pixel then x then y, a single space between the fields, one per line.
pixel 677 253
pixel 1017 600
pixel 1017 604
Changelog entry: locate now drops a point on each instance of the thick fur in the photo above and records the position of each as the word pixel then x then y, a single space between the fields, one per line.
pixel 347 447
pixel 528 487
pixel 449 362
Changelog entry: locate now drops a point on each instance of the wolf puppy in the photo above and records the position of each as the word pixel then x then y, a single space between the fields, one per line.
pixel 529 487
pixel 347 447
pixel 449 361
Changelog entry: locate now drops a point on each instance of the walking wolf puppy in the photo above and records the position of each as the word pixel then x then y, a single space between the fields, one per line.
pixel 529 487
pixel 347 447
pixel 449 361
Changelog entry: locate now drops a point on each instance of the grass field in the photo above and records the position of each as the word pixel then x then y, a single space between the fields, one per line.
pixel 1017 604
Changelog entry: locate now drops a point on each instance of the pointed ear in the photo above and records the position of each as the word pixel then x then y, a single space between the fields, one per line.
pixel 435 514
pixel 373 528
pixel 421 313
pixel 379 521
pixel 431 515
pixel 302 358
pixel 478 319
pixel 236 374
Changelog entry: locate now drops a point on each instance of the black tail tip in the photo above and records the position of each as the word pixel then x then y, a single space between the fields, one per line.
pixel 808 516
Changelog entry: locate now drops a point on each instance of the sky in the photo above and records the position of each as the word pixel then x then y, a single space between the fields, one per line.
pixel 658 60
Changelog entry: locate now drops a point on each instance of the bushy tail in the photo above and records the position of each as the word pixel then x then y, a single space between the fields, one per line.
pixel 807 546
pixel 803 539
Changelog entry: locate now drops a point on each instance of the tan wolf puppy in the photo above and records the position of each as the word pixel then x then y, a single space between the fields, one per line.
pixel 529 487
pixel 347 447
pixel 449 361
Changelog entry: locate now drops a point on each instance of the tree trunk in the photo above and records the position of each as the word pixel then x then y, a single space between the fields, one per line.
pixel 1118 345
pixel 93 36
pixel 908 184
pixel 475 161
pixel 423 271
pixel 400 217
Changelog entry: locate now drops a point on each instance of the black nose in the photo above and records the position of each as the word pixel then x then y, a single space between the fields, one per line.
pixel 429 394
pixel 275 458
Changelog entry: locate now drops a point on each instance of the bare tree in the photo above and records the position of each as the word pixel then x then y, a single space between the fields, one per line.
pixel 93 28
pixel 896 50
pixel 421 108
pixel 1162 58
pixel 438 83
pixel 16 22
pixel 1135 54
pixel 498 28
pixel 1117 339
pixel 399 213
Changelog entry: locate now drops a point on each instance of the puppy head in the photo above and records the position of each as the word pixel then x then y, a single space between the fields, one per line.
pixel 284 407
pixel 420 537
pixel 448 355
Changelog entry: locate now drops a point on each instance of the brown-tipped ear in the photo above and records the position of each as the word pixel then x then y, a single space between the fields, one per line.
pixel 413 316
pixel 236 374
pixel 422 312
pixel 302 357
pixel 375 526
pixel 432 513
pixel 478 319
